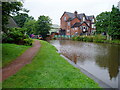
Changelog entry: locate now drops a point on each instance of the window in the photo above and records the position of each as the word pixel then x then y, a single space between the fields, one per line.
pixel 68 31
pixel 72 28
pixel 68 23
pixel 64 18
pixel 92 20
pixel 76 28
pixel 92 25
pixel 83 18
pixel 84 28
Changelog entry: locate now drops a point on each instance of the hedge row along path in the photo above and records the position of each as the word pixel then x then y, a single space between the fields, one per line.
pixel 21 61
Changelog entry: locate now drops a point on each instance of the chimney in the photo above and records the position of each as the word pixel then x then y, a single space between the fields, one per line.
pixel 75 13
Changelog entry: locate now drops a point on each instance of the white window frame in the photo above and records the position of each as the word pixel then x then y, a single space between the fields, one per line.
pixel 83 18
pixel 75 28
pixel 93 25
pixel 68 31
pixel 93 20
pixel 64 18
pixel 68 23
pixel 84 28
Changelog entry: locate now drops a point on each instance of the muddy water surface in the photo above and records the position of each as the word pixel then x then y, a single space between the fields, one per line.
pixel 101 60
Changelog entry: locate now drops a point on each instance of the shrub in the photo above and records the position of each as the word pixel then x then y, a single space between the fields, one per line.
pixel 17 36
pixel 28 41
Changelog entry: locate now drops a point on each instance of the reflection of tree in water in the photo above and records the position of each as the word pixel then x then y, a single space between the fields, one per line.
pixel 110 61
pixel 105 55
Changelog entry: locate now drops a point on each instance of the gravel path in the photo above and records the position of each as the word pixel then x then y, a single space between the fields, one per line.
pixel 21 61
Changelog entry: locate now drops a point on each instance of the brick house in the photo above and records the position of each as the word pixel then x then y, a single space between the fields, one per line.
pixel 76 24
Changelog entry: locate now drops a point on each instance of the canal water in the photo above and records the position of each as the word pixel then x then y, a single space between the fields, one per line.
pixel 101 60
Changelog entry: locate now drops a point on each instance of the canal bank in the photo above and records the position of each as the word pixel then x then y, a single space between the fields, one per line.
pixel 49 70
pixel 101 83
pixel 100 60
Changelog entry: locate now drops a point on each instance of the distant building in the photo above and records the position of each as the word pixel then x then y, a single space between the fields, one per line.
pixel 76 24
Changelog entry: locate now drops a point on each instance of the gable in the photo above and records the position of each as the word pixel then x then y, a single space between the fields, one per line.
pixel 84 24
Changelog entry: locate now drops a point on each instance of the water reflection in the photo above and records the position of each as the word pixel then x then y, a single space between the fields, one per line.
pixel 111 60
pixel 96 58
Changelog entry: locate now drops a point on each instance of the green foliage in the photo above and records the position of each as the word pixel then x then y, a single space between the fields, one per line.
pixel 96 39
pixel 102 22
pixel 28 41
pixel 109 22
pixel 43 25
pixel 15 35
pixel 49 70
pixel 9 8
pixel 114 30
pixel 10 52
pixel 30 26
pixel 20 19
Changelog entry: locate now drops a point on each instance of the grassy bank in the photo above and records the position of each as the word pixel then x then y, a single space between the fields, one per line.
pixel 49 70
pixel 96 39
pixel 11 52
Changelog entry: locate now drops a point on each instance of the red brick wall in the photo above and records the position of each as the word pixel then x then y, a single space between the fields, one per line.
pixel 63 24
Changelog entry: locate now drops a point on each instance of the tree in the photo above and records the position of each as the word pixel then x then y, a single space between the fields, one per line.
pixel 102 22
pixel 30 26
pixel 109 22
pixel 20 19
pixel 43 25
pixel 114 31
pixel 9 8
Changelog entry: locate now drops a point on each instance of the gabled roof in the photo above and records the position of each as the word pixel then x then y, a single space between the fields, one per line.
pixel 11 23
pixel 79 16
pixel 90 17
pixel 71 15
pixel 77 24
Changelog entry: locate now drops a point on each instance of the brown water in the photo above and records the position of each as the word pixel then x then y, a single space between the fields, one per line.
pixel 101 60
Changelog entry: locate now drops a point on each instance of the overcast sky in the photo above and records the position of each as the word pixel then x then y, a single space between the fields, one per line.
pixel 55 8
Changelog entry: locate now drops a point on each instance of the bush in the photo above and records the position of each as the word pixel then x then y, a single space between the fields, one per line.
pixel 115 41
pixel 17 36
pixel 28 41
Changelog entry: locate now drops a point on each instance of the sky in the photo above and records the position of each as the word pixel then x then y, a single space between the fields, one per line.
pixel 55 8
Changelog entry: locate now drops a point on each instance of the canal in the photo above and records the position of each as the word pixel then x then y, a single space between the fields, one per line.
pixel 101 60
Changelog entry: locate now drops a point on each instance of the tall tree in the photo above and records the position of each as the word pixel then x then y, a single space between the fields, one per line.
pixel 114 31
pixel 30 26
pixel 103 22
pixel 43 25
pixel 9 8
pixel 109 22
pixel 20 19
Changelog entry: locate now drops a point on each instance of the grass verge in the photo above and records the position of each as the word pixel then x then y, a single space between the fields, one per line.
pixel 10 52
pixel 49 70
pixel 96 39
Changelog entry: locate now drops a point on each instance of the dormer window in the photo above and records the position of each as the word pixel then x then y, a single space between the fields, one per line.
pixel 83 18
pixel 93 20
pixel 64 18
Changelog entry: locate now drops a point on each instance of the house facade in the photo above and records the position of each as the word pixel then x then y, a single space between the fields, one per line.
pixel 76 24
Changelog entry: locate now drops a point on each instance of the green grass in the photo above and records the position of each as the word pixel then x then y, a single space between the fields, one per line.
pixel 96 39
pixel 49 70
pixel 10 52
